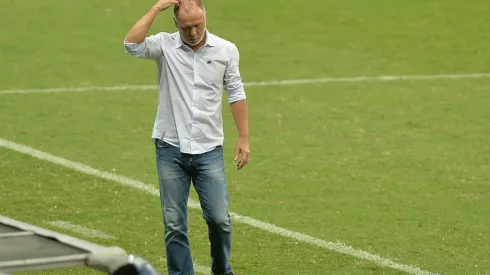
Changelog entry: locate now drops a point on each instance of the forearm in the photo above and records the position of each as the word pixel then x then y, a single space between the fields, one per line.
pixel 239 110
pixel 140 30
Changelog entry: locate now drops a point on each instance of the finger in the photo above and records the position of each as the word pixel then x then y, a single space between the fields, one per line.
pixel 237 153
pixel 243 161
pixel 175 2
pixel 246 156
pixel 242 164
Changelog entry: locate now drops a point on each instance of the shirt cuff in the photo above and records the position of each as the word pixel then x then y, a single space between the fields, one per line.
pixel 236 95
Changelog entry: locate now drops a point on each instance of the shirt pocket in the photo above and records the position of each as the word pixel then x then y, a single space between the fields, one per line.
pixel 212 72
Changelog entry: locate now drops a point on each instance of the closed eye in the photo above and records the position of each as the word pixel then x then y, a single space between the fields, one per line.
pixel 189 28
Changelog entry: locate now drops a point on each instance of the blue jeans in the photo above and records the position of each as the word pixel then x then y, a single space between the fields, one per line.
pixel 206 171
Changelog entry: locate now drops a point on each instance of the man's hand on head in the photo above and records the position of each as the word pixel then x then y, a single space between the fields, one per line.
pixel 162 5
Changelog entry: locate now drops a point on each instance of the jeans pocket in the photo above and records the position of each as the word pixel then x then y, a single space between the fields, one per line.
pixel 159 143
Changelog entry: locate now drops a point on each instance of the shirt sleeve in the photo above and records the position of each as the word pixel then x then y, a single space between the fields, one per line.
pixel 233 81
pixel 151 48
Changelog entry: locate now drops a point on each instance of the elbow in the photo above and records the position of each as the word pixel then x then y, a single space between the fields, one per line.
pixel 133 40
pixel 133 47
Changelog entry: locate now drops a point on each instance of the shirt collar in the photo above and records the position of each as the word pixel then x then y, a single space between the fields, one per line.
pixel 210 41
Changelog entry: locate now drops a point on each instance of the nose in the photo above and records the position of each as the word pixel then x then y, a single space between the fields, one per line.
pixel 194 31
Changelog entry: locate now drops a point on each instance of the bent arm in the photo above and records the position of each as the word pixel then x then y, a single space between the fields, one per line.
pixel 138 43
pixel 139 31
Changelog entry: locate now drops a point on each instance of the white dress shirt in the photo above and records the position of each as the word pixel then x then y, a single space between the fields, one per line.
pixel 190 88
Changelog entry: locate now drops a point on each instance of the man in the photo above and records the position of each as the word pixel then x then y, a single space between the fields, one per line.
pixel 194 66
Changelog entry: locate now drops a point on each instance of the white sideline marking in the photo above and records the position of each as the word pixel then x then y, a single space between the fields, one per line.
pixel 81 230
pixel 334 246
pixel 101 235
pixel 286 82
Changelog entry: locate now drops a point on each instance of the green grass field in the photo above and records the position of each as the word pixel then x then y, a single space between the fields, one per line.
pixel 399 169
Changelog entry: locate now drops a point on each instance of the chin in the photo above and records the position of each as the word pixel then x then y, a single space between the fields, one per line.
pixel 194 42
